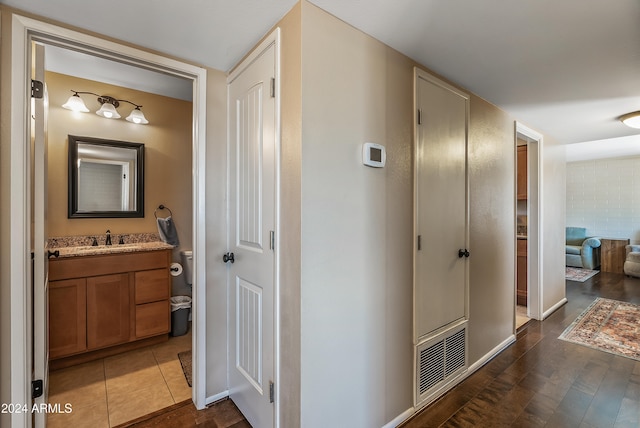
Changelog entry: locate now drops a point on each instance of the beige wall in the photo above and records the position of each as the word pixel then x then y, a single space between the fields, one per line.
pixel 356 227
pixel 216 233
pixel 290 221
pixel 168 146
pixel 553 223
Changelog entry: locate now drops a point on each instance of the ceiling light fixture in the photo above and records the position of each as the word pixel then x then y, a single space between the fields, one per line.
pixel 631 119
pixel 108 108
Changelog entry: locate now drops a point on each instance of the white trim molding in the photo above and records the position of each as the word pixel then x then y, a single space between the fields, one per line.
pixel 554 308
pixel 401 418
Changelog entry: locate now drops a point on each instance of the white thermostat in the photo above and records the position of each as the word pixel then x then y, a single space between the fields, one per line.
pixel 373 155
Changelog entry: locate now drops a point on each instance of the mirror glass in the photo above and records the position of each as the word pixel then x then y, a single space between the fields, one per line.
pixel 106 178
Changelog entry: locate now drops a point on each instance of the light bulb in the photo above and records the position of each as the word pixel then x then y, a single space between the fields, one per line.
pixel 137 117
pixel 108 111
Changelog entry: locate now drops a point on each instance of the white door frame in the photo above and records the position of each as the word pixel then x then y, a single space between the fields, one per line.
pixel 535 246
pixel 23 30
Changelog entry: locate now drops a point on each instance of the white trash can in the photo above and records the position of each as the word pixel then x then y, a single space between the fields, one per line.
pixel 180 307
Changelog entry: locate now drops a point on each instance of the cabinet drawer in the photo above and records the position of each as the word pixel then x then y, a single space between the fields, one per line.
pixel 152 285
pixel 152 318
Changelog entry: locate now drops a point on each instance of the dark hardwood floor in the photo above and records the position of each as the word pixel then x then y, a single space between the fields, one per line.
pixel 221 414
pixel 541 381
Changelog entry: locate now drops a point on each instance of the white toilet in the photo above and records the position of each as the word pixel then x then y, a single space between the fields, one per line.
pixel 187 265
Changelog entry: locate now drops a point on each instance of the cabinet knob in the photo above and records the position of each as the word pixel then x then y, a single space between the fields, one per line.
pixel 55 254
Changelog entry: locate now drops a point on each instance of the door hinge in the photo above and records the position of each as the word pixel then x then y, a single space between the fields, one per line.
pixel 419 117
pixel 36 388
pixel 273 87
pixel 419 242
pixel 271 392
pixel 272 240
pixel 37 89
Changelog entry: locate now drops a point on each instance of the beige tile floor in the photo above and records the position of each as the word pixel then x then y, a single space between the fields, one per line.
pixel 521 316
pixel 117 389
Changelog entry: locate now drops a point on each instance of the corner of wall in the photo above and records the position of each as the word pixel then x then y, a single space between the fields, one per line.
pixel 290 221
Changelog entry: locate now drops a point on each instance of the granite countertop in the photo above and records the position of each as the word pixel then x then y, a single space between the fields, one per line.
pixel 76 246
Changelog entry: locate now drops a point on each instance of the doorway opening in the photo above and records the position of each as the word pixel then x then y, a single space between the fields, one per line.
pixel 528 287
pixel 95 368
pixel 25 32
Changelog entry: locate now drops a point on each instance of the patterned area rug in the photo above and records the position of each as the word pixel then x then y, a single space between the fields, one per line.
pixel 185 362
pixel 577 274
pixel 608 325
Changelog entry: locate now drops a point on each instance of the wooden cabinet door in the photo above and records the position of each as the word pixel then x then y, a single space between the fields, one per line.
pixel 521 172
pixel 67 317
pixel 108 310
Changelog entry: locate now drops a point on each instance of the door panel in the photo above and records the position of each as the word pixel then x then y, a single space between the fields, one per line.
pixel 441 207
pixel 252 195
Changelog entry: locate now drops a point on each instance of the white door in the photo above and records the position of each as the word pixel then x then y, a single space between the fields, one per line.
pixel 39 241
pixel 441 206
pixel 252 227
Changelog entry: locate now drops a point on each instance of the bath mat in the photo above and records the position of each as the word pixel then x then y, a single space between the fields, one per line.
pixel 185 362
pixel 579 275
pixel 607 325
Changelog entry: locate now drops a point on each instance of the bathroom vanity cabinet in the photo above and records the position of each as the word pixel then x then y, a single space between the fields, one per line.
pixel 99 302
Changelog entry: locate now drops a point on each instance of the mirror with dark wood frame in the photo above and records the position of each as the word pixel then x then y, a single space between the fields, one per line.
pixel 106 178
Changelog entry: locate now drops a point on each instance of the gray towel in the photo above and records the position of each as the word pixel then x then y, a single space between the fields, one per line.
pixel 167 231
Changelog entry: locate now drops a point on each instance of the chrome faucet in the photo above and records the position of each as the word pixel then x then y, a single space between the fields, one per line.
pixel 108 238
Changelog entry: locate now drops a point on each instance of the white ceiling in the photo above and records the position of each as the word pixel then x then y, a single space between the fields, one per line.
pixel 567 68
pixel 77 64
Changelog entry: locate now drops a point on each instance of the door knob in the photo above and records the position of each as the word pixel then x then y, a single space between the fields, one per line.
pixel 228 258
pixel 463 253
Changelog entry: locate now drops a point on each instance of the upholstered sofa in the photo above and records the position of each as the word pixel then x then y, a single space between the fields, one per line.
pixel 632 261
pixel 582 251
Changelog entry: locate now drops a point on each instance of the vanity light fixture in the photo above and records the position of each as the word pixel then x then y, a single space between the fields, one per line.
pixel 107 109
pixel 631 119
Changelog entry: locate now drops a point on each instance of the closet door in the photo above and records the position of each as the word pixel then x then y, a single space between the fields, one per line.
pixel 440 284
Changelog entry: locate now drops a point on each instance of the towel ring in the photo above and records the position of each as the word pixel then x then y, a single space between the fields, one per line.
pixel 162 207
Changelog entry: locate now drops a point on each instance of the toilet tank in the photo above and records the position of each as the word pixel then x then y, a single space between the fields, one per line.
pixel 187 266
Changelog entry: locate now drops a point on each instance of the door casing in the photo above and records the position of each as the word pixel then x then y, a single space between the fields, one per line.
pixel 23 31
